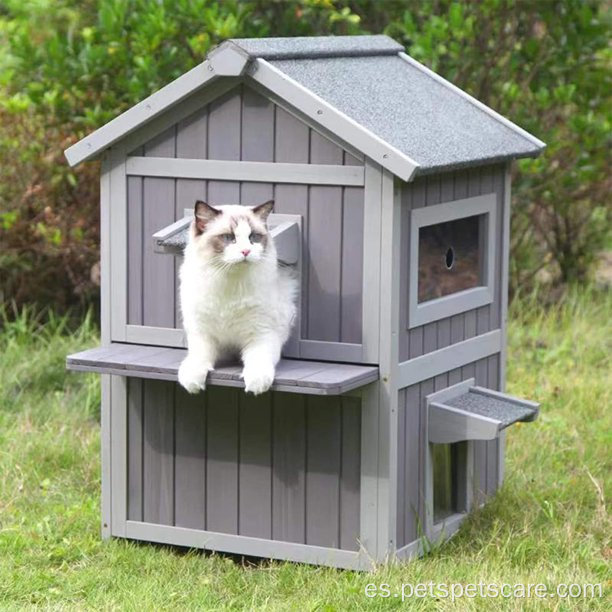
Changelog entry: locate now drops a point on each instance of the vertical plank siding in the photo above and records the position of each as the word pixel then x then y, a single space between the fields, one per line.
pixel 412 446
pixel 277 466
pixel 243 125
pixel 437 189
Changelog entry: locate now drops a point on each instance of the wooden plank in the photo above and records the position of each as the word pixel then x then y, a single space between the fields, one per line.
pixel 480 447
pixel 401 468
pixel 325 248
pixel 289 468
pixel 416 341
pixel 257 127
pixel 144 111
pixel 493 445
pixel 292 138
pixel 254 171
pixel 323 471
pixel 222 460
pixel 425 513
pixel 324 267
pixel 224 143
pixel 351 286
pixel 135 237
pixel 304 376
pixel 135 450
pixel 292 145
pixel 324 151
pixel 224 125
pixel 255 470
pixel 162 144
pixel 371 268
pixel 244 545
pixel 158 452
pixel 350 473
pixel 192 135
pixel 412 492
pixel 158 269
pixel 190 460
pixel 252 194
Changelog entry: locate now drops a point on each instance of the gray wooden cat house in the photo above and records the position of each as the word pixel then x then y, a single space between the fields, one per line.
pixel 384 426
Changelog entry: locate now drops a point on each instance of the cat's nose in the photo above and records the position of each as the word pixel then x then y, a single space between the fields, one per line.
pixel 245 252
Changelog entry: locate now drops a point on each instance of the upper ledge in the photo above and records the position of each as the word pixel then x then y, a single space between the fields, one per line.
pixel 292 375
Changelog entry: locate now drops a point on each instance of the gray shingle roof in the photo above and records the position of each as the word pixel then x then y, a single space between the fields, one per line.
pixel 409 109
pixel 407 118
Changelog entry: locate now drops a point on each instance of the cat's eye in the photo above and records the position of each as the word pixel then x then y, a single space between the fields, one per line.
pixel 255 237
pixel 228 238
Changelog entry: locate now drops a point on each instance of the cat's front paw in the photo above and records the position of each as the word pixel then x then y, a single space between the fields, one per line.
pixel 258 380
pixel 192 377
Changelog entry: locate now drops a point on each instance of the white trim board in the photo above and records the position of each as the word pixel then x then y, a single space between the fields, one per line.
pixel 448 358
pixel 265 172
pixel 246 545
pixel 144 111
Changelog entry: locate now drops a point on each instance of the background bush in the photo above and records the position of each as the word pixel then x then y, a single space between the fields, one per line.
pixel 68 66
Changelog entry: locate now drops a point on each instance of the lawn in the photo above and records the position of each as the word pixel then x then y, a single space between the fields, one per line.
pixel 548 524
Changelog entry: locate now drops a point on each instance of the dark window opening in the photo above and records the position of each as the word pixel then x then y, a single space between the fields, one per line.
pixel 445 477
pixel 450 257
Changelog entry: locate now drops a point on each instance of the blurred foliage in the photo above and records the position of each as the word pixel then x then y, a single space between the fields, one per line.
pixel 68 66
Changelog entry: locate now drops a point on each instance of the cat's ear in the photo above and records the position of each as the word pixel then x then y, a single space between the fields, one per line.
pixel 204 214
pixel 263 210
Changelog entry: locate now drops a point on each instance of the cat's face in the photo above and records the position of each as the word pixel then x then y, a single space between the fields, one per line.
pixel 232 234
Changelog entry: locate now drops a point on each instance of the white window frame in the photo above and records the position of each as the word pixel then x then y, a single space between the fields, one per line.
pixel 461 301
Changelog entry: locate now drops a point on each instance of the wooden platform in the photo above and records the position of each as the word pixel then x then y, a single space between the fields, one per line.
pixel 292 375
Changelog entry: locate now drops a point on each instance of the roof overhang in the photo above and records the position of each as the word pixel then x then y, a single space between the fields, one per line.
pixel 247 59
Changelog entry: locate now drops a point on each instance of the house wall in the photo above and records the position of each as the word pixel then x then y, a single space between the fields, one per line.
pixel 437 189
pixel 425 339
pixel 242 125
pixel 412 446
pixel 279 466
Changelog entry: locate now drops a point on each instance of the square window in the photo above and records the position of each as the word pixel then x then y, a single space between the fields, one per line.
pixel 450 257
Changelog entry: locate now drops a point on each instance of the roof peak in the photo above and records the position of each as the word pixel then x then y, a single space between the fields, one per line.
pixel 311 47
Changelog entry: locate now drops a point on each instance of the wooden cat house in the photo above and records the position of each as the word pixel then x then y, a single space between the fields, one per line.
pixel 384 426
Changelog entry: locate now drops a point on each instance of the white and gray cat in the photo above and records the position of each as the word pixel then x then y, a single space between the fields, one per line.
pixel 235 298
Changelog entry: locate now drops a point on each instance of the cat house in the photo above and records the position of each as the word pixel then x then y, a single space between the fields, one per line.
pixel 385 423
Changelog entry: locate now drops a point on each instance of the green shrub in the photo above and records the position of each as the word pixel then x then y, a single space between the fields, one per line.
pixel 68 66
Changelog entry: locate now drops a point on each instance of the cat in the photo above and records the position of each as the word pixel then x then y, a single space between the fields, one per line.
pixel 235 297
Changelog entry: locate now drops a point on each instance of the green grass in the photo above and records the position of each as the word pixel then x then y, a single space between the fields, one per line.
pixel 548 524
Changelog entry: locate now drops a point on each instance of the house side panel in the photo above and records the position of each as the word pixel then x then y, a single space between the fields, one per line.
pixel 429 191
pixel 332 222
pixel 412 446
pixel 270 467
pixel 252 129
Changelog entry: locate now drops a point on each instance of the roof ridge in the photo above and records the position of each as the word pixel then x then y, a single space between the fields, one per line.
pixel 317 47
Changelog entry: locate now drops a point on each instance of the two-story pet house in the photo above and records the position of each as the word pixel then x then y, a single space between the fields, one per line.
pixel 392 190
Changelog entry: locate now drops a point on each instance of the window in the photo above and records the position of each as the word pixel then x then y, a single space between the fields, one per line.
pixel 449 257
pixel 452 258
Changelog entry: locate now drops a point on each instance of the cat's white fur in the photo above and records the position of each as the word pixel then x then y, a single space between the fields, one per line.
pixel 232 302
